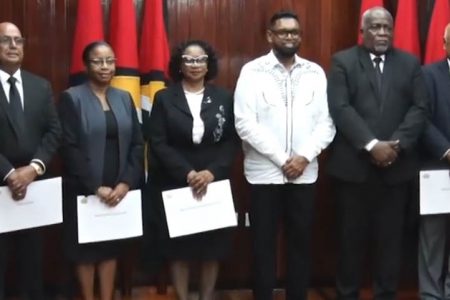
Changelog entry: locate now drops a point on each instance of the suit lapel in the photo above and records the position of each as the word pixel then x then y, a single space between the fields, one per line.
pixel 369 70
pixel 389 66
pixel 179 100
pixel 444 69
pixel 5 107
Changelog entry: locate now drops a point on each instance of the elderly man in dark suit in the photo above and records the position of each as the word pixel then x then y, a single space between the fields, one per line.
pixel 433 282
pixel 29 135
pixel 378 101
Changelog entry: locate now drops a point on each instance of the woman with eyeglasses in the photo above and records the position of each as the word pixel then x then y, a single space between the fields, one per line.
pixel 192 143
pixel 102 153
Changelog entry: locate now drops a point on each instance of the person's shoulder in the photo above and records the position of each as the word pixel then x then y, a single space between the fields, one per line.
pixel 118 91
pixel 348 53
pixel 310 66
pixel 32 77
pixel 256 64
pixel 404 56
pixel 433 67
pixel 218 89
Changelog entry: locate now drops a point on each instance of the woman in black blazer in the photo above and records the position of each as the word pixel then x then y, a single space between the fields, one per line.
pixel 192 143
pixel 102 154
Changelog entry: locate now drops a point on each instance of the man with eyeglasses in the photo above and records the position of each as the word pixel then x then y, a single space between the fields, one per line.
pixel 378 101
pixel 29 135
pixel 282 117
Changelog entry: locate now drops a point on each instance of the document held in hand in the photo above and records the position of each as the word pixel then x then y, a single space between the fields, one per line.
pixel 187 215
pixel 41 206
pixel 99 222
pixel 434 192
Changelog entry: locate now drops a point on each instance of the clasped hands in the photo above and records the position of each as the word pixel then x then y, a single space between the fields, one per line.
pixel 19 180
pixel 198 181
pixel 110 196
pixel 294 166
pixel 384 153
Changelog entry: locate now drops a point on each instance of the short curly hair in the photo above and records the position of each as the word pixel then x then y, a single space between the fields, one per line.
pixel 175 60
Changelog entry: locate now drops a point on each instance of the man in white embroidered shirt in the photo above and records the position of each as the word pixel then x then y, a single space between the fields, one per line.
pixel 282 117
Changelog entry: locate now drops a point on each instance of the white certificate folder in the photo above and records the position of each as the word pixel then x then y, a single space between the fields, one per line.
pixel 98 222
pixel 41 206
pixel 187 215
pixel 434 192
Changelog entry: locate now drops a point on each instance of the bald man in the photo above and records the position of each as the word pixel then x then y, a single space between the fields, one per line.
pixel 378 101
pixel 434 277
pixel 29 135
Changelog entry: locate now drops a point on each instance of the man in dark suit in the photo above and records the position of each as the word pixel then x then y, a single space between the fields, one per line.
pixel 29 135
pixel 433 282
pixel 377 99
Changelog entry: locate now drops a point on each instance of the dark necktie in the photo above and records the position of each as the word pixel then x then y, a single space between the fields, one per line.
pixel 377 60
pixel 15 104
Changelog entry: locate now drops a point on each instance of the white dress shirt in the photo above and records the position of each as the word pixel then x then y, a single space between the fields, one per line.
pixel 280 113
pixel 194 101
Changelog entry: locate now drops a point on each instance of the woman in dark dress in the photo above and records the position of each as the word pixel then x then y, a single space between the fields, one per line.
pixel 192 143
pixel 103 155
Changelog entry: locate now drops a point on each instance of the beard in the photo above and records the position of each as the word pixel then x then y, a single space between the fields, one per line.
pixel 285 52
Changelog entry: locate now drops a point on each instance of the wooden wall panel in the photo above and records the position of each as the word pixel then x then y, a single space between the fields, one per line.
pixel 236 28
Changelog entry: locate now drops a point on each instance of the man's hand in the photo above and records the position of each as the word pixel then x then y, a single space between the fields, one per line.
pixel 19 180
pixel 117 194
pixel 199 181
pixel 103 193
pixel 294 166
pixel 384 153
pixel 447 157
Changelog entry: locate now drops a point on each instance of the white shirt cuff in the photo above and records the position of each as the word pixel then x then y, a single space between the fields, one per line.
pixel 36 160
pixel 445 154
pixel 9 173
pixel 371 144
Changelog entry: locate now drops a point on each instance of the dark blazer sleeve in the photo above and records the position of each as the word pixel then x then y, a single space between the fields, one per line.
pixel 228 145
pixel 75 161
pixel 173 161
pixel 346 118
pixel 52 136
pixel 411 128
pixel 135 162
pixel 435 141
pixel 5 166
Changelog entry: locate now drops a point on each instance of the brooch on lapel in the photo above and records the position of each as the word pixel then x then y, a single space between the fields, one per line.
pixel 218 131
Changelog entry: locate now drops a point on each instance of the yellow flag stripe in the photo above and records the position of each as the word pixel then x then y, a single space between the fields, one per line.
pixel 130 84
pixel 149 90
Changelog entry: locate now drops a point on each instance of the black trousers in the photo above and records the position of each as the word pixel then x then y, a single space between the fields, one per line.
pixel 294 204
pixel 371 217
pixel 27 246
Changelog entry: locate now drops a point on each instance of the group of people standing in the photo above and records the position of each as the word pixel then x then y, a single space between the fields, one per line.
pixel 373 112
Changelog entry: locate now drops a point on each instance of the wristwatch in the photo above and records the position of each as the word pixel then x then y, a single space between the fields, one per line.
pixel 37 168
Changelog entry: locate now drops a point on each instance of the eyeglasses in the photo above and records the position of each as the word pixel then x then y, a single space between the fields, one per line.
pixel 99 62
pixel 282 34
pixel 6 40
pixel 191 60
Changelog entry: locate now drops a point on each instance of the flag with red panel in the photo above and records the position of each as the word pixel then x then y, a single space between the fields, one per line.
pixel 406 32
pixel 365 5
pixel 123 39
pixel 88 28
pixel 434 50
pixel 154 53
